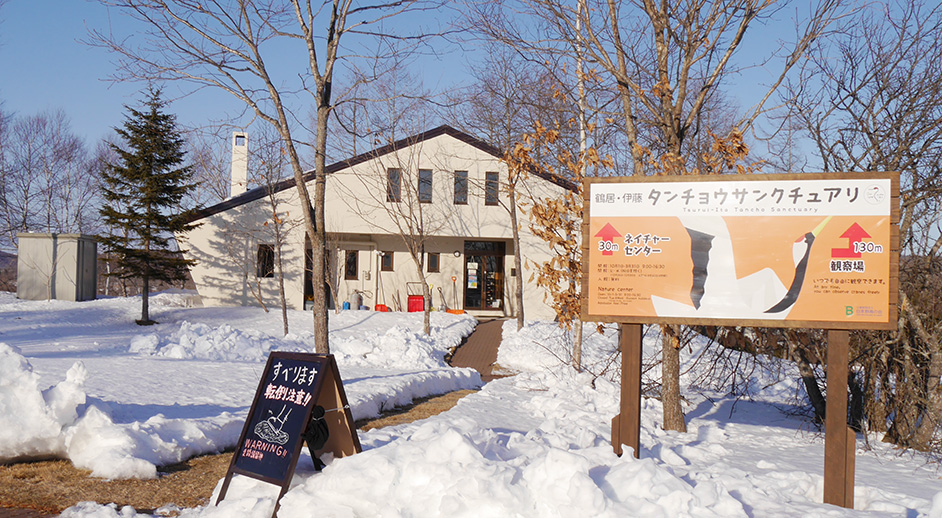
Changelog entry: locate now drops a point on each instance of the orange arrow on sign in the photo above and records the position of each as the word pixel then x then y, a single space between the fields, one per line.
pixel 854 234
pixel 608 233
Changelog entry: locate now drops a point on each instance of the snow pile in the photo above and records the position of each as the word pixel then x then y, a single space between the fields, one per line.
pixel 32 420
pixel 205 342
pixel 396 347
pixel 537 444
pixel 545 345
pixel 56 423
pixel 705 366
pixel 144 412
pixel 458 468
pixel 134 450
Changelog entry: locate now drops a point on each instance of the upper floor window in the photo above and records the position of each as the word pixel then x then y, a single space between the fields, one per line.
pixel 393 184
pixel 461 187
pixel 425 186
pixel 491 188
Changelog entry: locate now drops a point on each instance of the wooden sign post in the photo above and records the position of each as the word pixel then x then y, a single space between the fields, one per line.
pixel 626 426
pixel 271 440
pixel 796 251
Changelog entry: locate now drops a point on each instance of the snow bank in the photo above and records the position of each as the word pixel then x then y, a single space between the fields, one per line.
pixel 396 346
pixel 544 345
pixel 134 450
pixel 37 424
pixel 32 420
pixel 390 365
pixel 458 469
pixel 206 342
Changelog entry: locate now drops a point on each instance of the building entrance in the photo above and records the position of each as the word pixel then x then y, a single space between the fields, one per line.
pixel 483 275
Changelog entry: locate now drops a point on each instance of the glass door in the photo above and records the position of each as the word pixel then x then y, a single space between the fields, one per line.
pixel 484 275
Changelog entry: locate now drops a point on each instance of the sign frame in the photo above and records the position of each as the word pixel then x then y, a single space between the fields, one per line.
pixel 891 309
pixel 327 391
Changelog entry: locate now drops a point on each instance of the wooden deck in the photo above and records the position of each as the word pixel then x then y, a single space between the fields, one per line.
pixel 479 351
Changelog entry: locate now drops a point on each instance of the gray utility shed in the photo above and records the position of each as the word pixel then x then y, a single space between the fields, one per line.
pixel 56 266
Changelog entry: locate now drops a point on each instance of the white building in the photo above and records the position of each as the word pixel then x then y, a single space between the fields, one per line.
pixel 441 193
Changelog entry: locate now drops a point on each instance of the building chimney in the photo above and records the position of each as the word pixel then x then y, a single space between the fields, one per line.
pixel 240 163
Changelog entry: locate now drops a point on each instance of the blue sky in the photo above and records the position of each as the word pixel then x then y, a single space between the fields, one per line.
pixel 45 66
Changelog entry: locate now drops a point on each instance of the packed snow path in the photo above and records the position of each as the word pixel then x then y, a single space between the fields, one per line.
pixel 479 349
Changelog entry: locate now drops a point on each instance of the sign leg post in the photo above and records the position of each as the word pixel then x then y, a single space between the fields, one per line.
pixel 626 427
pixel 839 440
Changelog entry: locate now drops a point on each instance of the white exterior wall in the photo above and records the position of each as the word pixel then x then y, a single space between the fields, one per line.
pixel 359 218
pixel 225 247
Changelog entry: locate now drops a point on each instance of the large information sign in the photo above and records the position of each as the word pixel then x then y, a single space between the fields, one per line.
pixel 809 250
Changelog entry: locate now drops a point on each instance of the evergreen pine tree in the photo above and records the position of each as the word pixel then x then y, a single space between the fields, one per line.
pixel 142 194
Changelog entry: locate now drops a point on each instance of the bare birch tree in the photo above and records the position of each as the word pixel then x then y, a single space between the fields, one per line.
pixel 47 180
pixel 872 101
pixel 667 61
pixel 237 47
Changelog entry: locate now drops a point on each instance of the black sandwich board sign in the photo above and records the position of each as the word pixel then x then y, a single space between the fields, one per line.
pixel 271 440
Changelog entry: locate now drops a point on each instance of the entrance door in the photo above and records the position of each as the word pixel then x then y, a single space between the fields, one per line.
pixel 483 275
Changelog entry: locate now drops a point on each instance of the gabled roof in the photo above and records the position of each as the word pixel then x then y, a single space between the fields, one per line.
pixel 261 192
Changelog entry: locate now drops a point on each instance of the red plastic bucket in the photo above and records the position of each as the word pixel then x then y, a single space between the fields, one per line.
pixel 416 303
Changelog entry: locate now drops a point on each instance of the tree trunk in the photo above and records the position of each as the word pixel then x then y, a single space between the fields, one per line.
pixel 577 345
pixel 670 380
pixel 806 371
pixel 427 313
pixel 932 414
pixel 876 396
pixel 318 240
pixel 856 410
pixel 281 282
pixel 906 413
pixel 518 260
pixel 145 295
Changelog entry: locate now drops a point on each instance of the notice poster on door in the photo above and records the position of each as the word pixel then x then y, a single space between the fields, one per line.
pixel 770 250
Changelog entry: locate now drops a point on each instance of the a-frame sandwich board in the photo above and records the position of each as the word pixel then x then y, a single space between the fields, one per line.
pixel 271 440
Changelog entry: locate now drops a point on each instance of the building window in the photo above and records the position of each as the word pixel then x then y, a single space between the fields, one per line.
pixel 350 266
pixel 491 188
pixel 425 186
pixel 431 262
pixel 461 187
pixel 265 261
pixel 386 261
pixel 393 185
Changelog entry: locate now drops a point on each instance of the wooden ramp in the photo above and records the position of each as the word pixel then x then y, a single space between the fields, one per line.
pixel 479 350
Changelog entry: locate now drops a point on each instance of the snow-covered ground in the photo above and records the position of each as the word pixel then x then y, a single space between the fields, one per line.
pixel 81 381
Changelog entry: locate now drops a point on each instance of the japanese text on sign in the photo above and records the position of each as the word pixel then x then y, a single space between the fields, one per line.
pixel 832 197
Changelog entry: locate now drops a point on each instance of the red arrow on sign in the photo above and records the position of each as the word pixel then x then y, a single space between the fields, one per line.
pixel 854 234
pixel 608 233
